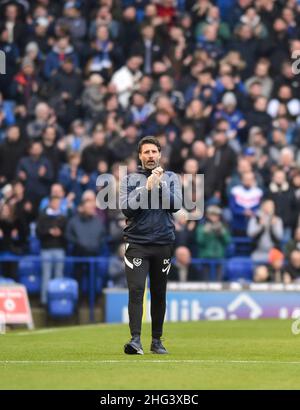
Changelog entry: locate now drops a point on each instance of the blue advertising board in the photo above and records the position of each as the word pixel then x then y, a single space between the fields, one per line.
pixel 186 305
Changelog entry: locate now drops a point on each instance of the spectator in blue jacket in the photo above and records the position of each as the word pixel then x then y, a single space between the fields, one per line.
pixel 61 50
pixel 244 202
pixel 209 41
pixel 7 115
pixel 36 172
pixel 66 205
pixel 233 116
pixel 73 178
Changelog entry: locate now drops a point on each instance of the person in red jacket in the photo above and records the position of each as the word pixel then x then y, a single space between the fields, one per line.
pixel 167 11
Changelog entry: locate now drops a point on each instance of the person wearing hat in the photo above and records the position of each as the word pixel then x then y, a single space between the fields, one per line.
pixel 74 21
pixel 25 85
pixel 93 95
pixel 32 52
pixel 212 239
pixel 39 35
pixel 230 112
pixel 273 271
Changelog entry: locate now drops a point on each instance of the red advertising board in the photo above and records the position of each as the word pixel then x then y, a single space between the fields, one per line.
pixel 14 305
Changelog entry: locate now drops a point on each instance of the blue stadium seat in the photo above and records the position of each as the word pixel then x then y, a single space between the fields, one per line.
pixel 238 268
pixel 6 281
pixel 62 297
pixel 32 283
pixel 29 274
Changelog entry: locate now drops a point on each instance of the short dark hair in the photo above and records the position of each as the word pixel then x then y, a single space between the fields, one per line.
pixel 149 140
pixel 34 142
pixel 54 197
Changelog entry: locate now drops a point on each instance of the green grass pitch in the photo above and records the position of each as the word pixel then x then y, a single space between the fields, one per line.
pixel 261 354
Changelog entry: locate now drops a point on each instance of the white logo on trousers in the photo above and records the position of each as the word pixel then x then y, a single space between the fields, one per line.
pixel 137 261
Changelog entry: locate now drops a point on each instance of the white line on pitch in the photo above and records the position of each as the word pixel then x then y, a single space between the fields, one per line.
pixel 3 362
pixel 62 329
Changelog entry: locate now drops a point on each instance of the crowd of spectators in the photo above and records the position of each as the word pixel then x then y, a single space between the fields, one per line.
pixel 214 81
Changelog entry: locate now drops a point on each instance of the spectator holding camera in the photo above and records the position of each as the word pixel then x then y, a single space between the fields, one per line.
pixel 212 239
pixel 273 271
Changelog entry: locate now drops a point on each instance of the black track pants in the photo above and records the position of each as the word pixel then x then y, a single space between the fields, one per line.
pixel 139 261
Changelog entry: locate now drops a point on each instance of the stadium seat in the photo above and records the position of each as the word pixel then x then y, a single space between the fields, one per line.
pixel 29 274
pixel 238 268
pixel 62 297
pixel 32 283
pixel 6 281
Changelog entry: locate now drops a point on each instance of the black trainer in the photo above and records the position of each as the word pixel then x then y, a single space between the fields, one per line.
pixel 157 347
pixel 134 346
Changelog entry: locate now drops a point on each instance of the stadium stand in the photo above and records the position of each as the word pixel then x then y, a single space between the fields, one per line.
pixel 215 81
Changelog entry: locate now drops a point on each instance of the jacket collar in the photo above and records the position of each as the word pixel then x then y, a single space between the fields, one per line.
pixel 144 171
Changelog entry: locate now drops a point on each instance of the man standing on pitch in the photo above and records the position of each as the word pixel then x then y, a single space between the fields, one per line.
pixel 148 198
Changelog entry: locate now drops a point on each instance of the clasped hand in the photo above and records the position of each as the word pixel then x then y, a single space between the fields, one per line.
pixel 155 178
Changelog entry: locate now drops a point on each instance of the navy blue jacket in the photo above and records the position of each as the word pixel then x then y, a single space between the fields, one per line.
pixel 86 234
pixel 70 184
pixel 36 187
pixel 150 223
